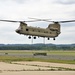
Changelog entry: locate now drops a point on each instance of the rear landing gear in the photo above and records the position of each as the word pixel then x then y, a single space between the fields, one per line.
pixel 53 38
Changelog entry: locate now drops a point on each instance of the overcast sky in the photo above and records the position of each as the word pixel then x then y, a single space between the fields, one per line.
pixel 50 9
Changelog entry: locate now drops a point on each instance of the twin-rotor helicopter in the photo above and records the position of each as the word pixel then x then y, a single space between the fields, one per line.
pixel 52 31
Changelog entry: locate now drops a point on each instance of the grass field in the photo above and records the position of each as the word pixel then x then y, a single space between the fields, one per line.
pixel 54 52
pixel 25 55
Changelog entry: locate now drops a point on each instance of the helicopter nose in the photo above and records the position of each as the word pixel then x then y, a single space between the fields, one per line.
pixel 18 31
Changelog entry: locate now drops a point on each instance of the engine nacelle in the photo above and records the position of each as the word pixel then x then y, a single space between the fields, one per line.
pixel 54 27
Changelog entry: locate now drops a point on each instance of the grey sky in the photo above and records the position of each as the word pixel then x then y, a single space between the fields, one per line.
pixel 70 2
pixel 22 9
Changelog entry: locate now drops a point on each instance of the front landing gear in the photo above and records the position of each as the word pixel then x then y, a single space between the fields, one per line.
pixel 29 37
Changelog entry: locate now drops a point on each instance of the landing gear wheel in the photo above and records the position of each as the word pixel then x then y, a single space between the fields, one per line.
pixel 29 37
pixel 53 38
pixel 48 38
pixel 34 37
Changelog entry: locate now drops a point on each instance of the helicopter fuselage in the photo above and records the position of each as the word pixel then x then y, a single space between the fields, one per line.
pixel 52 31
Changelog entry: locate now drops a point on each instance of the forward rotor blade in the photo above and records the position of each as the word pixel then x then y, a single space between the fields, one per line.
pixel 18 21
pixel 9 21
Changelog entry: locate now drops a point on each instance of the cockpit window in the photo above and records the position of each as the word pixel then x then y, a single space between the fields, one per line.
pixel 19 27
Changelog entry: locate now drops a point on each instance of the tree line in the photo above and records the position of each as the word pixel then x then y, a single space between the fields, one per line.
pixel 37 47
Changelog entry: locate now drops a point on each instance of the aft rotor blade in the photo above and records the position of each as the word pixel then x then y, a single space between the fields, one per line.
pixel 31 21
pixel 40 19
pixel 62 21
pixel 66 21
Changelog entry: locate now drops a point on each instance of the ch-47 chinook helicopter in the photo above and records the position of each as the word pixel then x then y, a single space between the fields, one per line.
pixel 52 31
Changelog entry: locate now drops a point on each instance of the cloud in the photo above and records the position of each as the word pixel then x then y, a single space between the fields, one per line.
pixel 66 2
pixel 20 1
pixel 22 9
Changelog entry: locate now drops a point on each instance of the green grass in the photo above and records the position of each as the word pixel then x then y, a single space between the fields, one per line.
pixel 10 59
pixel 54 52
pixel 16 51
pixel 72 53
pixel 14 58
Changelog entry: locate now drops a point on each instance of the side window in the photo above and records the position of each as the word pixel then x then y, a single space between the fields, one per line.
pixel 46 32
pixel 27 30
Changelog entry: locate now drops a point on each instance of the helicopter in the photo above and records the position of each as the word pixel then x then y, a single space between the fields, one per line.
pixel 52 31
